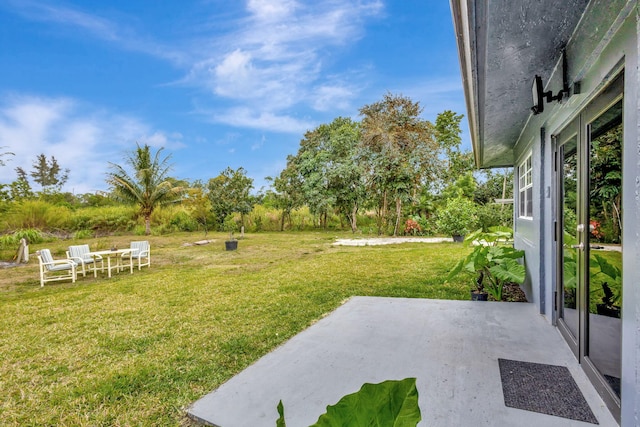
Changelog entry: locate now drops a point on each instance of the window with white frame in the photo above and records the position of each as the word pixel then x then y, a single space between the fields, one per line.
pixel 525 189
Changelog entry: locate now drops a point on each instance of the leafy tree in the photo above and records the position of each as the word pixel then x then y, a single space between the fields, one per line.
pixel 464 186
pixel 197 201
pixel 331 176
pixel 48 174
pixel 494 184
pixel 399 152
pixel 230 192
pixel 20 189
pixel 146 183
pixel 288 191
pixel 456 162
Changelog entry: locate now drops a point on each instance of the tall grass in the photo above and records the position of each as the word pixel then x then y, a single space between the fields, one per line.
pixel 36 214
pixel 104 220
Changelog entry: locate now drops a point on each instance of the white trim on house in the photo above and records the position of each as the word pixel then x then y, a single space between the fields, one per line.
pixel 525 188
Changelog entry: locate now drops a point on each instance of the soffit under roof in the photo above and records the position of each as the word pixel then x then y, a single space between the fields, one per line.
pixel 505 44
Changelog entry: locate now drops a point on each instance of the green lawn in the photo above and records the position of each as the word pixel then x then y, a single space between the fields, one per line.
pixel 138 349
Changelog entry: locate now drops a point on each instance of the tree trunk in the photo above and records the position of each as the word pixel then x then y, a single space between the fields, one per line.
pixel 147 225
pixel 284 213
pixel 398 213
pixel 354 214
pixel 383 214
pixel 504 190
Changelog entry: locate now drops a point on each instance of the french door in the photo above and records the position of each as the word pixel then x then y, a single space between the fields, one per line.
pixel 589 239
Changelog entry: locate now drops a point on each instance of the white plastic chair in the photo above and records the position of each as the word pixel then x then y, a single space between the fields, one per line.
pixel 80 255
pixel 54 270
pixel 140 251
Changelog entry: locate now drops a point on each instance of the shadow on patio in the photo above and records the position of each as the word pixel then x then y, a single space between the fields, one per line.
pixel 451 347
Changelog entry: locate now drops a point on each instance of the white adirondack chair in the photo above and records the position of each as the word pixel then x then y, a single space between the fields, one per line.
pixel 54 270
pixel 80 255
pixel 140 251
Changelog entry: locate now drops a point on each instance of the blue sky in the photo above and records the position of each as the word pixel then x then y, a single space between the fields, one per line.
pixel 217 83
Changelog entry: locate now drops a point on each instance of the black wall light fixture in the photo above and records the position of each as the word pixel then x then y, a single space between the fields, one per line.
pixel 540 96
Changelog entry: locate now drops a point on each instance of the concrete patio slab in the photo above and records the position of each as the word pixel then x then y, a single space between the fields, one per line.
pixel 451 347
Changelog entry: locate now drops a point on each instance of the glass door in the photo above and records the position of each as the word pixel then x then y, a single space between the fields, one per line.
pixel 604 325
pixel 567 237
pixel 588 237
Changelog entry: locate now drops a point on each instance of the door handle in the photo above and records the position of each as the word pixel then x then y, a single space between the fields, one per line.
pixel 580 246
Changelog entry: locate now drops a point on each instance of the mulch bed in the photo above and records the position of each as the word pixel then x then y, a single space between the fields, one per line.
pixel 512 293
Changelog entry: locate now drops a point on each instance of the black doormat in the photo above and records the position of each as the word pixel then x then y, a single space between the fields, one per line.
pixel 547 389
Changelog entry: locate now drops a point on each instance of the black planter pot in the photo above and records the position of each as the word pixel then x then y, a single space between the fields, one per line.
pixel 458 238
pixel 231 245
pixel 479 296
pixel 607 310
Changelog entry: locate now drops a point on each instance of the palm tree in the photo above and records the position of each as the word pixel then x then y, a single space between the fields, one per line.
pixel 148 186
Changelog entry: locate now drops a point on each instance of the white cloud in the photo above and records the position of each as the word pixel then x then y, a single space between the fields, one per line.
pixel 248 118
pixel 162 140
pixel 43 11
pixel 275 58
pixel 270 10
pixel 81 138
pixel 258 145
pixel 97 26
pixel 330 97
pixel 265 63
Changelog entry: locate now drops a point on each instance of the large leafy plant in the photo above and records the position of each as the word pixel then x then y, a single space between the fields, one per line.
pixel 392 403
pixel 492 264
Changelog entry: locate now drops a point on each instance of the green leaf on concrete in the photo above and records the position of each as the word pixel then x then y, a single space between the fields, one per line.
pixel 390 403
pixel 280 422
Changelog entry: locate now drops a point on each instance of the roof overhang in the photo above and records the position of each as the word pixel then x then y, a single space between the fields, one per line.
pixel 503 45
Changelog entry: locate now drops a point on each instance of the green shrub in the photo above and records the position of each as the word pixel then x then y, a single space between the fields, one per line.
pixel 30 234
pixel 492 215
pixel 109 219
pixel 428 225
pixel 263 218
pixel 458 217
pixel 81 219
pixel 10 243
pixel 181 221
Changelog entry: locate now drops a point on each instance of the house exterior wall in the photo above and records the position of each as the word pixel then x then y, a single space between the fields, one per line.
pixel 631 237
pixel 593 61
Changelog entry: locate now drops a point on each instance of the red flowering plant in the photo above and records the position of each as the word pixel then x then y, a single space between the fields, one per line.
pixel 594 229
pixel 411 226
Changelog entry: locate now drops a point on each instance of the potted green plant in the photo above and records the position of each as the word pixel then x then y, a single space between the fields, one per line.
pixel 230 226
pixel 492 265
pixel 457 218
pixel 478 293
